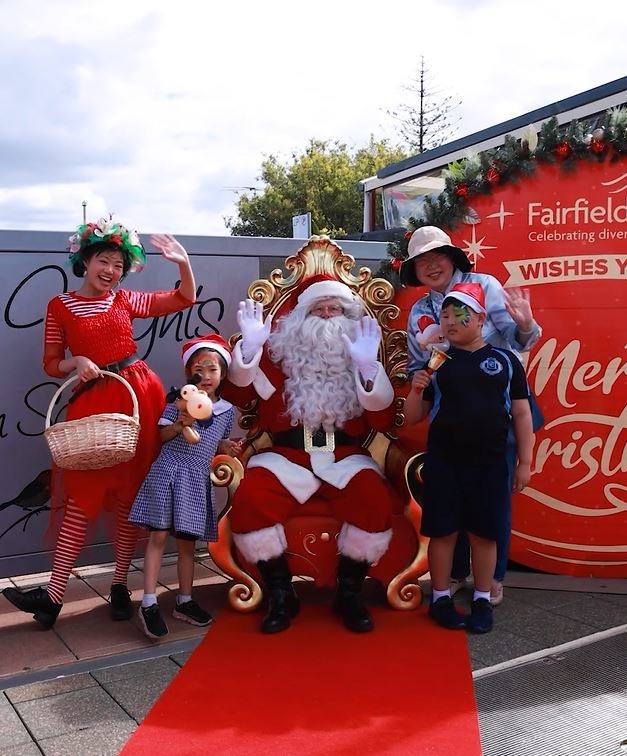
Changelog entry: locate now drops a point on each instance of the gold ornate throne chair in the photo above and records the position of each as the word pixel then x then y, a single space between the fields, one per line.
pixel 312 531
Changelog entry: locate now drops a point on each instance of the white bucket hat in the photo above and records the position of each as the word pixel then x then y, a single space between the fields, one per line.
pixel 426 239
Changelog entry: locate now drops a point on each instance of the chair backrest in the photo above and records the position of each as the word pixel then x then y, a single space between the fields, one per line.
pixel 321 255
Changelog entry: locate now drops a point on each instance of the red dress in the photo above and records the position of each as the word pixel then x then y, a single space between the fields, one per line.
pixel 101 329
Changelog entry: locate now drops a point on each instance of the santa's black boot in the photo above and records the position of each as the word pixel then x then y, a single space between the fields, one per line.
pixel 284 603
pixel 348 602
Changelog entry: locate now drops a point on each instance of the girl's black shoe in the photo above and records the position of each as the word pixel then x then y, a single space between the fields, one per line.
pixel 36 602
pixel 121 604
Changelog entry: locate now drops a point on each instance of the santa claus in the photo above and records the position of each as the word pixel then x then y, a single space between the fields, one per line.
pixel 321 390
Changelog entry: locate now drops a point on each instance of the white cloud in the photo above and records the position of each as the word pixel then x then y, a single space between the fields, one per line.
pixel 154 109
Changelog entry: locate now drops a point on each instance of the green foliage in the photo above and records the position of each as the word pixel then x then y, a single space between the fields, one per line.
pixel 480 174
pixel 322 180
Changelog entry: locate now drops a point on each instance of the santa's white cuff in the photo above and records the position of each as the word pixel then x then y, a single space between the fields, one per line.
pixel 261 545
pixel 362 545
pixel 380 396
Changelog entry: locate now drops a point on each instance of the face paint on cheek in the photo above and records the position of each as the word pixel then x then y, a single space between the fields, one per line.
pixel 462 314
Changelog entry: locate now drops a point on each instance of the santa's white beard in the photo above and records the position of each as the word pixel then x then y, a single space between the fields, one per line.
pixel 320 384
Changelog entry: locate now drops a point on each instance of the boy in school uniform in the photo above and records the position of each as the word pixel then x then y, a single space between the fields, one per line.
pixel 472 400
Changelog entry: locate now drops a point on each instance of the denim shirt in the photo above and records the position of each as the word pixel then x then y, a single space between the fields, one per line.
pixel 499 329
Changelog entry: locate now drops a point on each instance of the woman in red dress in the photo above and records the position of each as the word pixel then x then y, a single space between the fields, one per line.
pixel 95 325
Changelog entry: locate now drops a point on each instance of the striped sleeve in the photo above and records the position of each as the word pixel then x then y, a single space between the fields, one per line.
pixel 54 343
pixel 143 304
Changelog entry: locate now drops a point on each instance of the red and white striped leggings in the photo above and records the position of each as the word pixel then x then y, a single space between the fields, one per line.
pixel 72 539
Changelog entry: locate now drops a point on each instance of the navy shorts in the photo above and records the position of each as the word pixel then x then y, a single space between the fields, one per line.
pixel 464 497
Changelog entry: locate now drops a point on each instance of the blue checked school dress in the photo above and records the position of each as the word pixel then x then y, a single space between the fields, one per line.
pixel 177 494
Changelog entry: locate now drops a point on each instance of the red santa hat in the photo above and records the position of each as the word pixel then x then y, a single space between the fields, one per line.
pixel 321 286
pixel 470 294
pixel 214 342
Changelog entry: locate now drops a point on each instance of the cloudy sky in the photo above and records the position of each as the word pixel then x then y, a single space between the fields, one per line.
pixel 159 110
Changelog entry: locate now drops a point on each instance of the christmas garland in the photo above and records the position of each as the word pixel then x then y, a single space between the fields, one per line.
pixel 514 159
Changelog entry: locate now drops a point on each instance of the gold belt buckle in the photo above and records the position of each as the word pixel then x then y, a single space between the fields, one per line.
pixel 308 441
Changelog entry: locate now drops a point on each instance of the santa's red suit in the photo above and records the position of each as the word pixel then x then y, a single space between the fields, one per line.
pixel 281 477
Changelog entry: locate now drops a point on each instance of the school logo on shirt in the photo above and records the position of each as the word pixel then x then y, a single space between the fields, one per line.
pixel 491 366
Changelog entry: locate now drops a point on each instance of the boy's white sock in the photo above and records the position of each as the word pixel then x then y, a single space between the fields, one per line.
pixel 435 595
pixel 181 599
pixel 481 594
pixel 149 599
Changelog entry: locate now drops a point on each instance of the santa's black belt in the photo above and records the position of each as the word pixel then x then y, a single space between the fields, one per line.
pixel 295 438
pixel 111 367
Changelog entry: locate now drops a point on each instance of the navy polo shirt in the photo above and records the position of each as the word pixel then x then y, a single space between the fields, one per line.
pixel 471 396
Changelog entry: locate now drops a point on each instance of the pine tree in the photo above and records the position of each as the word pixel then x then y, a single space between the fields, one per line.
pixel 428 125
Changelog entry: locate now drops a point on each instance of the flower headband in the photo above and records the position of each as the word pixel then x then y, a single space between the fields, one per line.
pixel 115 234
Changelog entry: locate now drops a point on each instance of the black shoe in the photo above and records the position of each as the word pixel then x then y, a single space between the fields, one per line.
pixel 284 606
pixel 121 604
pixel 152 621
pixel 36 602
pixel 351 608
pixel 192 613
pixel 481 619
pixel 348 603
pixel 444 613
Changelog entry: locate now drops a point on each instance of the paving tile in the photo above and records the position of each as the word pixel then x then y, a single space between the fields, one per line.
pixel 32 581
pixel 14 733
pixel 101 584
pixel 25 749
pixel 50 687
pixel 137 695
pixel 69 712
pixel 499 646
pixel 545 599
pixel 26 647
pixel 592 611
pixel 181 658
pixel 164 665
pixel 550 629
pixel 96 634
pixel 102 740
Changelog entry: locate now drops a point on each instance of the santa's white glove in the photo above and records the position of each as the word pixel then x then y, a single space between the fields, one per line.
pixel 365 349
pixel 255 330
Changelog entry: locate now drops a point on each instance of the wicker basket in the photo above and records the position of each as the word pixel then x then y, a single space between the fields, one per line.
pixel 96 441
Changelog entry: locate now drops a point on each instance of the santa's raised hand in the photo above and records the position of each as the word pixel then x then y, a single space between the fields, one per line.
pixel 364 349
pixel 255 330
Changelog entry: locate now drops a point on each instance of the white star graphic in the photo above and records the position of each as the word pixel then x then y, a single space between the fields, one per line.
pixel 500 215
pixel 475 248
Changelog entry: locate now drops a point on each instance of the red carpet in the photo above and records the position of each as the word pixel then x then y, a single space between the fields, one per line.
pixel 405 688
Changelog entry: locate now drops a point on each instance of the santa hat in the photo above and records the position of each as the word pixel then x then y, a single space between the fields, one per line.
pixel 214 342
pixel 427 239
pixel 321 286
pixel 470 294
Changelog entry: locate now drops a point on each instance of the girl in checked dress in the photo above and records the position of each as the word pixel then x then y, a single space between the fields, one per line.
pixel 176 497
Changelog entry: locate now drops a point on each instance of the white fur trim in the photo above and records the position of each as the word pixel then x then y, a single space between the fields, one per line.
pixel 380 396
pixel 243 373
pixel 361 545
pixel 339 474
pixel 262 385
pixel 224 353
pixel 323 290
pixel 261 545
pixel 299 481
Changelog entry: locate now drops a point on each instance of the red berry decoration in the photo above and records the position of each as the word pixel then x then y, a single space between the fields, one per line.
pixel 396 263
pixel 408 235
pixel 563 150
pixel 597 146
pixel 493 176
pixel 462 190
